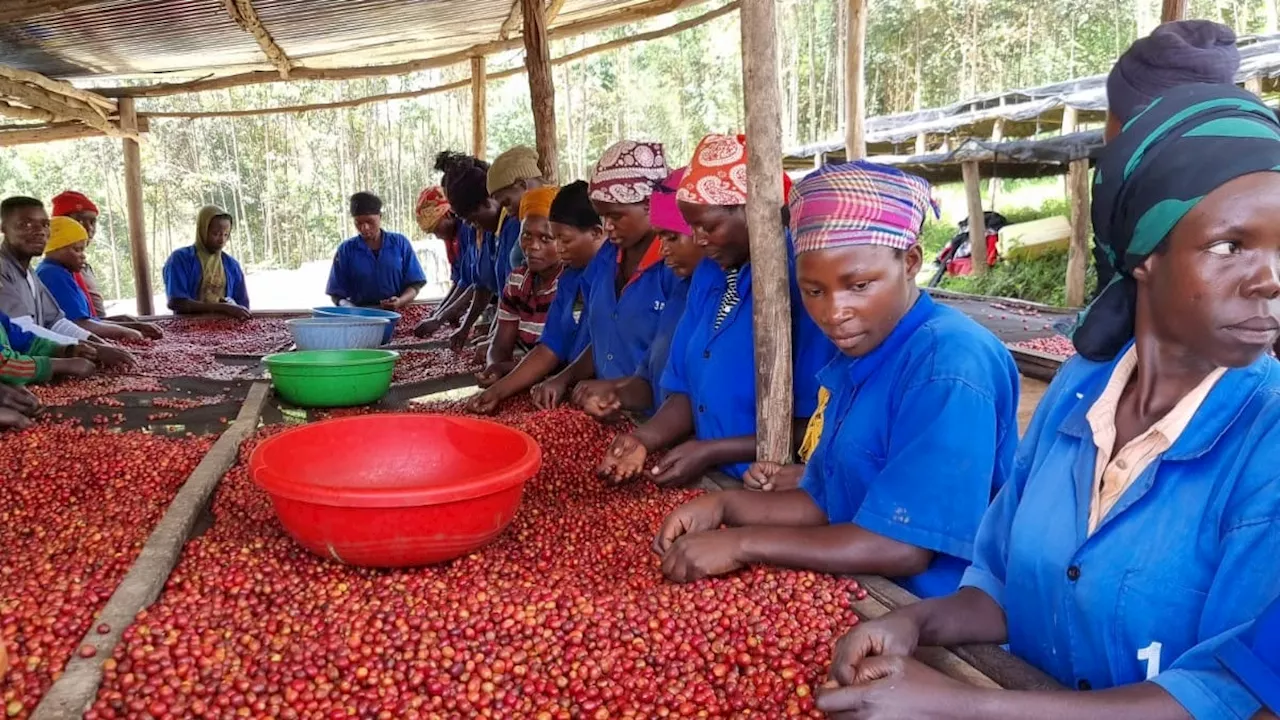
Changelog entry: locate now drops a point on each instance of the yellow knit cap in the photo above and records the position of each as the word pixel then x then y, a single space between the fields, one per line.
pixel 64 231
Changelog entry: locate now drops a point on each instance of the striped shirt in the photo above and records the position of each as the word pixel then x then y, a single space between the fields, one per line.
pixel 730 299
pixel 527 301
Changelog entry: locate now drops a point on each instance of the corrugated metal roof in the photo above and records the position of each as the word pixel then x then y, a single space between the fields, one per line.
pixel 116 38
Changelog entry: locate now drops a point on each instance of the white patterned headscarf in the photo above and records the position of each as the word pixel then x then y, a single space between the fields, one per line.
pixel 628 172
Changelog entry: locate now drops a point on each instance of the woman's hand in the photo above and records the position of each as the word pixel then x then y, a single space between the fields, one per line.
pixel 624 460
pixel 696 516
pixel 76 367
pixel 894 635
pixel 19 398
pixel 698 555
pixel 82 350
pixel 767 476
pixel 898 688
pixel 458 339
pixel 549 393
pixel 486 403
pixel 598 398
pixel 149 330
pixel 428 327
pixel 683 465
pixel 494 372
pixel 234 311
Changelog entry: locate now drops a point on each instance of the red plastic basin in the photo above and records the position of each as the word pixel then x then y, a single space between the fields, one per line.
pixel 395 490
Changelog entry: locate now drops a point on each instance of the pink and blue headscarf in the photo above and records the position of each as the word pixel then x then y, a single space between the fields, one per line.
pixel 858 203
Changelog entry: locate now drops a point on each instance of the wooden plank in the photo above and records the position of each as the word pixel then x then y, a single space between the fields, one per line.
pixel 136 211
pixel 855 83
pixel 542 93
pixel 771 307
pixel 620 16
pixel 479 108
pixel 75 690
pixel 1078 254
pixel 977 223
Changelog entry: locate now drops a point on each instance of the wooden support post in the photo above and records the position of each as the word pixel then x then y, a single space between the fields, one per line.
pixel 997 137
pixel 819 159
pixel 1078 253
pixel 1070 123
pixel 855 82
pixel 1254 84
pixel 770 285
pixel 977 224
pixel 479 108
pixel 922 144
pixel 537 60
pixel 133 201
pixel 1172 10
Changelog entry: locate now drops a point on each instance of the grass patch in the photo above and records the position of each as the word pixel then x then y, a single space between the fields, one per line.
pixel 1042 279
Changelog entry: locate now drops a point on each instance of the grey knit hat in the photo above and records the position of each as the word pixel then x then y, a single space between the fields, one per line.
pixel 1176 53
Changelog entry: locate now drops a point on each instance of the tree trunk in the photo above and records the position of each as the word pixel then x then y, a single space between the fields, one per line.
pixel 537 58
pixel 811 10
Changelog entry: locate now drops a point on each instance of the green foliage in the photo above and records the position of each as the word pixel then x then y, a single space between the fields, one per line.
pixel 1041 279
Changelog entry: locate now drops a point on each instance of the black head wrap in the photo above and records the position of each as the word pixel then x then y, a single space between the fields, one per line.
pixel 1188 142
pixel 365 203
pixel 572 206
pixel 1176 53
pixel 465 181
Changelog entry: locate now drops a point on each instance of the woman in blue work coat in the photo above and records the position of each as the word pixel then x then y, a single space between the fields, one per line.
pixel 375 268
pixel 920 404
pixel 627 284
pixel 579 235
pixel 1254 660
pixel 710 375
pixel 1142 521
pixel 605 400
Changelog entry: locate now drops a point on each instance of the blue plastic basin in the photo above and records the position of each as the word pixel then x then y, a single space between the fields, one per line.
pixel 337 333
pixel 394 317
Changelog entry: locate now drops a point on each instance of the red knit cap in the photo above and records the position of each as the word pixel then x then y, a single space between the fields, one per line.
pixel 71 201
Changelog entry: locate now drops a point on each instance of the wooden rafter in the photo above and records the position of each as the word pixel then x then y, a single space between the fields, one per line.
pixel 48 132
pixel 511 23
pixel 244 15
pixel 542 92
pixel 510 72
pixel 633 13
pixel 32 96
pixel 553 10
pixel 13 10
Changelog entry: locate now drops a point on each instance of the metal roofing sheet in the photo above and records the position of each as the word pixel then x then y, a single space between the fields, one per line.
pixel 139 37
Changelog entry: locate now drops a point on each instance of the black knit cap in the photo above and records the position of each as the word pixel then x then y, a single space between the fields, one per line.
pixel 572 206
pixel 365 203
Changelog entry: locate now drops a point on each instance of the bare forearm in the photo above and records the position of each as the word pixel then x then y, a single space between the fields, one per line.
pixel 410 294
pixel 581 369
pixel 672 423
pixel 533 368
pixel 1145 700
pixel 458 305
pixel 734 450
pixel 967 616
pixel 634 393
pixel 479 301
pixel 791 508
pixel 842 549
pixel 183 306
pixel 504 343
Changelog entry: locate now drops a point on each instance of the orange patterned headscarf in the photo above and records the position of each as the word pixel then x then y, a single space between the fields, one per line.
pixel 431 208
pixel 718 173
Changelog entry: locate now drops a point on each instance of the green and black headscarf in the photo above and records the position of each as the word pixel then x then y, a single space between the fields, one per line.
pixel 1189 141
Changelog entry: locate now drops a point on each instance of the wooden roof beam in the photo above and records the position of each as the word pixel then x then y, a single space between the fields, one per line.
pixel 26 93
pixel 48 132
pixel 633 13
pixel 244 15
pixel 515 17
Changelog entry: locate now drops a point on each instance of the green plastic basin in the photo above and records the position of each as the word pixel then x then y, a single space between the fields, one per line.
pixel 332 378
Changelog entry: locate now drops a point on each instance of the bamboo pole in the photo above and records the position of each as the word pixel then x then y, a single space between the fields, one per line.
pixel 1173 10
pixel 977 223
pixel 542 93
pixel 510 72
pixel 855 82
pixel 479 108
pixel 1078 252
pixel 621 16
pixel 770 285
pixel 137 213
